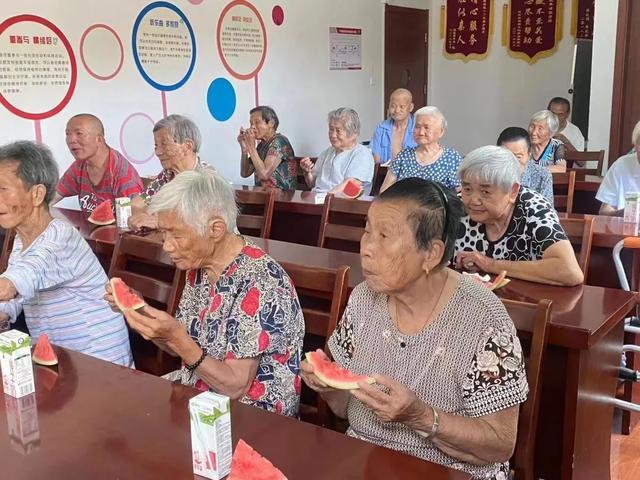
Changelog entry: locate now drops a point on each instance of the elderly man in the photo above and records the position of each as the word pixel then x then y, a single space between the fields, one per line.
pixel 177 142
pixel 396 132
pixel 99 172
pixel 567 132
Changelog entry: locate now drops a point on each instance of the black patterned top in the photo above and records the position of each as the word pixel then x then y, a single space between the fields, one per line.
pixel 164 177
pixel 467 362
pixel 533 228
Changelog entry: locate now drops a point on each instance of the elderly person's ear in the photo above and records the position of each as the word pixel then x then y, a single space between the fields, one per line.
pixel 433 256
pixel 38 194
pixel 217 228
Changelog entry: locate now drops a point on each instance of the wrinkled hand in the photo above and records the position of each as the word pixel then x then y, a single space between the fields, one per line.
pixel 313 382
pixel 241 140
pixel 7 290
pixel 4 321
pixel 475 262
pixel 307 165
pixel 110 299
pixel 397 404
pixel 153 324
pixel 143 219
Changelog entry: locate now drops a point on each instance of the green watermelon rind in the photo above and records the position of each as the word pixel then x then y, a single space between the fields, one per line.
pixel 43 353
pixel 351 384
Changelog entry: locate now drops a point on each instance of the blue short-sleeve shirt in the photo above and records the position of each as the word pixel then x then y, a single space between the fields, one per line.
pixel 383 135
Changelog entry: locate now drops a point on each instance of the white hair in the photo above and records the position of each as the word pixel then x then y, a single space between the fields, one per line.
pixel 181 129
pixel 491 165
pixel 196 196
pixel 348 117
pixel 430 111
pixel 546 116
pixel 635 136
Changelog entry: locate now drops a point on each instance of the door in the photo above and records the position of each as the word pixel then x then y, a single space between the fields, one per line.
pixel 405 52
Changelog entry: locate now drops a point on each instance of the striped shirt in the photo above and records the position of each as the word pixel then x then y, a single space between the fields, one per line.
pixel 60 286
pixel 120 179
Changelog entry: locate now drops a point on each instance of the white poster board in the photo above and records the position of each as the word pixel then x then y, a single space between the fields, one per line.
pixel 345 48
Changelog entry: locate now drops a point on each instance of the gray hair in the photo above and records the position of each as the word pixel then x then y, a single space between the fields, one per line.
pixel 36 165
pixel 196 196
pixel 430 111
pixel 181 129
pixel 491 165
pixel 349 117
pixel 635 135
pixel 268 115
pixel 546 116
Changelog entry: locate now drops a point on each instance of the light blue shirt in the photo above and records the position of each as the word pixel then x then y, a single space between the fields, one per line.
pixel 382 137
pixel 60 286
pixel 332 168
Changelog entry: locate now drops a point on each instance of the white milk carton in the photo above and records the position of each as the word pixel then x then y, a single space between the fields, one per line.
pixel 15 361
pixel 211 435
pixel 22 420
pixel 123 212
pixel 631 207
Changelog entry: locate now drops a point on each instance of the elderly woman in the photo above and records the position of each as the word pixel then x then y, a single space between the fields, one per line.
pixel 441 347
pixel 344 160
pixel 509 227
pixel 535 177
pixel 428 160
pixel 546 151
pixel 622 177
pixel 53 276
pixel 177 142
pixel 239 327
pixel 272 160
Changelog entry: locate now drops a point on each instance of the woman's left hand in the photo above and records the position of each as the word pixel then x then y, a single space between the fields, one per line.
pixel 399 404
pixel 7 290
pixel 474 261
pixel 153 324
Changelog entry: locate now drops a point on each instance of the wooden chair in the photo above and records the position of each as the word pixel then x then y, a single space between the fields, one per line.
pixel 7 245
pixel 144 266
pixel 323 297
pixel 532 322
pixel 598 157
pixel 566 182
pixel 580 233
pixel 342 223
pixel 256 212
pixel 379 174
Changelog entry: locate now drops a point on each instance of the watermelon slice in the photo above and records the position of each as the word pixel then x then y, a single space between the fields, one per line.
pixel 103 214
pixel 334 375
pixel 43 353
pixel 126 299
pixel 352 189
pixel 247 464
pixel 499 282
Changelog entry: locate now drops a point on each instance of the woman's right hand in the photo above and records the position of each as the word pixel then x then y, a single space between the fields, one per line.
pixel 307 165
pixel 143 219
pixel 242 141
pixel 110 298
pixel 309 377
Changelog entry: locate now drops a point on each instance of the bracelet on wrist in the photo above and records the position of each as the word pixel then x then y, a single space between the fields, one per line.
pixel 195 365
pixel 435 423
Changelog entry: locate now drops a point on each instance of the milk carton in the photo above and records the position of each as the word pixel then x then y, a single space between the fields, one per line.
pixel 631 207
pixel 123 212
pixel 210 435
pixel 15 361
pixel 22 420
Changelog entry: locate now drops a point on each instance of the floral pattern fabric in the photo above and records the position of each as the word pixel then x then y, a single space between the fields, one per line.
pixel 164 177
pixel 553 154
pixel 252 310
pixel 285 175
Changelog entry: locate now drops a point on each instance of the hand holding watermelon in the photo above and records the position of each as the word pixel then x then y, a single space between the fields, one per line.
pixel 322 375
pixel 154 324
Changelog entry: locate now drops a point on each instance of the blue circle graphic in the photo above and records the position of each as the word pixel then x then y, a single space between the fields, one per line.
pixel 221 99
pixel 136 25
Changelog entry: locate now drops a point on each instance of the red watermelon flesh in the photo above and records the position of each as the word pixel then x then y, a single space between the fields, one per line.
pixel 126 299
pixel 352 189
pixel 247 464
pixel 103 214
pixel 499 282
pixel 332 374
pixel 43 353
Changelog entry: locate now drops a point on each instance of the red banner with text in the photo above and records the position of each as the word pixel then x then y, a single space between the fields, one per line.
pixel 583 21
pixel 535 28
pixel 467 24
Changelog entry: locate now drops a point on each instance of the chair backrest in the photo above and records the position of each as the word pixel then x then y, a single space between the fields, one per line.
pixel 379 174
pixel 342 223
pixel 531 321
pixel 564 202
pixel 581 157
pixel 7 245
pixel 323 297
pixel 580 232
pixel 256 212
pixel 144 266
pixel 301 183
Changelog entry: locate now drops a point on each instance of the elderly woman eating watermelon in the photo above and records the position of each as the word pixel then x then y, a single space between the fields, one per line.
pixel 52 274
pixel 447 364
pixel 239 327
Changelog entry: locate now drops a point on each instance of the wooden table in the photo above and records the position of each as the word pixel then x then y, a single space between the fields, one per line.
pixel 580 369
pixel 96 420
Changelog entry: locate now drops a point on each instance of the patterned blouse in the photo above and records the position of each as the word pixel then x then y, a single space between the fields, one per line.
pixel 467 362
pixel 533 228
pixel 285 175
pixel 251 311
pixel 539 180
pixel 164 177
pixel 553 154
pixel 444 170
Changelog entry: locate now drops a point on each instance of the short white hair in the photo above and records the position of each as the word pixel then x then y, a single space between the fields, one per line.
pixel 546 116
pixel 635 135
pixel 430 111
pixel 196 196
pixel 491 165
